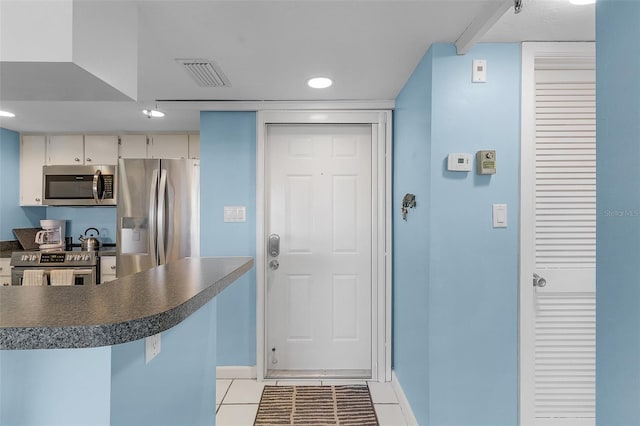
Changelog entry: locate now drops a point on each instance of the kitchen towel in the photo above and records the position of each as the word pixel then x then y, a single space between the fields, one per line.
pixel 33 277
pixel 62 277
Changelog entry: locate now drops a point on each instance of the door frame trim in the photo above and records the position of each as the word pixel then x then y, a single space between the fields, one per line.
pixel 381 264
pixel 530 51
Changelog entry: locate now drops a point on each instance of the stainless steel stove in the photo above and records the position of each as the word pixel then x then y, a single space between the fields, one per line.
pixel 81 266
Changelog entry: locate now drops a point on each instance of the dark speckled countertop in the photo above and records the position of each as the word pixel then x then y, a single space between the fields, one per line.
pixel 127 309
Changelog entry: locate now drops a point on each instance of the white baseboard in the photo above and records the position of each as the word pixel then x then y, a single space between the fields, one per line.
pixel 403 401
pixel 236 372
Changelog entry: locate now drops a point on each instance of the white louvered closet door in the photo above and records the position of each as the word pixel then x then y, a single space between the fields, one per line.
pixel 558 370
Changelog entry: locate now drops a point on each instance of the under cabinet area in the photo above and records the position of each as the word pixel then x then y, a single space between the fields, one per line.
pixel 107 269
pixel 5 272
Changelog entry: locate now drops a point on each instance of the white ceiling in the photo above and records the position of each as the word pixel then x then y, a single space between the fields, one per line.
pixel 269 48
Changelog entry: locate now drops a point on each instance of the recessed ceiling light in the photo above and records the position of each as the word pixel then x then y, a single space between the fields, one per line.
pixel 6 114
pixel 582 2
pixel 153 113
pixel 319 82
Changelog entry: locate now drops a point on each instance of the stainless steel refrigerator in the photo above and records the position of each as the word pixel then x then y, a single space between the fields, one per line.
pixel 158 213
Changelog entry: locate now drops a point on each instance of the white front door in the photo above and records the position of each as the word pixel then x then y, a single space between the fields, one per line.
pixel 319 285
pixel 558 220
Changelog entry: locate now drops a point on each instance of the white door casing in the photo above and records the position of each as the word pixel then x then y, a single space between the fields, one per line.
pixel 378 356
pixel 319 205
pixel 557 235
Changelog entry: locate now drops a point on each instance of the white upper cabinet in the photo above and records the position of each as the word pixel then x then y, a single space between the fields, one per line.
pixel 194 146
pixel 133 146
pixel 81 149
pixel 65 149
pixel 100 149
pixel 32 158
pixel 169 146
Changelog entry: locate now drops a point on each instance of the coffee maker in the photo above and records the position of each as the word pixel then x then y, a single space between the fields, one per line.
pixel 51 238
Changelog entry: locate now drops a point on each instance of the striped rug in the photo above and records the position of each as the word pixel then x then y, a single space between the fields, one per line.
pixel 316 405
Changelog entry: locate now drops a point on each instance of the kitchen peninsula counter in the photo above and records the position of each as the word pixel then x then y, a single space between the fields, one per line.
pixel 120 311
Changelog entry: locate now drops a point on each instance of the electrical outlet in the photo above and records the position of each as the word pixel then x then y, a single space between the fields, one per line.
pixel 152 347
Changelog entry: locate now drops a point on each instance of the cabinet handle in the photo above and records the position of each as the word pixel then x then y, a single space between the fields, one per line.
pixel 76 159
pixel 37 199
pixel 88 159
pixel 113 267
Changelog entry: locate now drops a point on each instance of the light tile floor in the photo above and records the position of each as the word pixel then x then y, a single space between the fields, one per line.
pixel 237 400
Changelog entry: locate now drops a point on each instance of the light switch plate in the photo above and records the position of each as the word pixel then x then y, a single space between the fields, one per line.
pixel 499 215
pixel 235 214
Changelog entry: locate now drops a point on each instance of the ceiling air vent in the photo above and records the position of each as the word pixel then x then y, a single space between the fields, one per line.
pixel 205 72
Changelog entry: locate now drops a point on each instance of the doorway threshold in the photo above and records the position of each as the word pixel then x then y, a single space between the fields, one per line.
pixel 318 374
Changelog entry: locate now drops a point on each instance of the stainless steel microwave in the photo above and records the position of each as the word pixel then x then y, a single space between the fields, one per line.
pixel 79 185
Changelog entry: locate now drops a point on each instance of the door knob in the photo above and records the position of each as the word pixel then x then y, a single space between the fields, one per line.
pixel 538 281
pixel 274 264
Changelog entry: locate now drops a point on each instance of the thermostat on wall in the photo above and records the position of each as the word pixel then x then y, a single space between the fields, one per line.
pixel 460 162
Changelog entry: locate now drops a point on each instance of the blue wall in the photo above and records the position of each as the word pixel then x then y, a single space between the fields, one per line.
pixel 113 385
pixel 11 214
pixel 65 387
pixel 411 174
pixel 228 178
pixel 618 214
pixel 463 298
pixel 178 386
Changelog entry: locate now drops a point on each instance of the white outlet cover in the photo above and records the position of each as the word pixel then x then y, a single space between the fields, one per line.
pixel 152 347
pixel 479 71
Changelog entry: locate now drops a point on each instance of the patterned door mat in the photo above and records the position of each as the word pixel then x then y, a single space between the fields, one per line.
pixel 316 405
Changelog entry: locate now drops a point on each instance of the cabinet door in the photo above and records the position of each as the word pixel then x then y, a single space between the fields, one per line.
pixel 133 146
pixel 100 149
pixel 5 272
pixel 194 146
pixel 169 146
pixel 65 149
pixel 32 158
pixel 107 269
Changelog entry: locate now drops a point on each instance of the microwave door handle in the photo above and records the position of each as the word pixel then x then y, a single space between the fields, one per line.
pixel 162 192
pixel 96 178
pixel 152 215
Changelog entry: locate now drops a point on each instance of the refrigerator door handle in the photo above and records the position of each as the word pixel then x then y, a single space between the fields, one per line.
pixel 152 215
pixel 162 191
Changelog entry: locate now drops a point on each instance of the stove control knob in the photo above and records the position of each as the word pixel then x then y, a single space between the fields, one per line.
pixel 33 257
pixel 24 257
